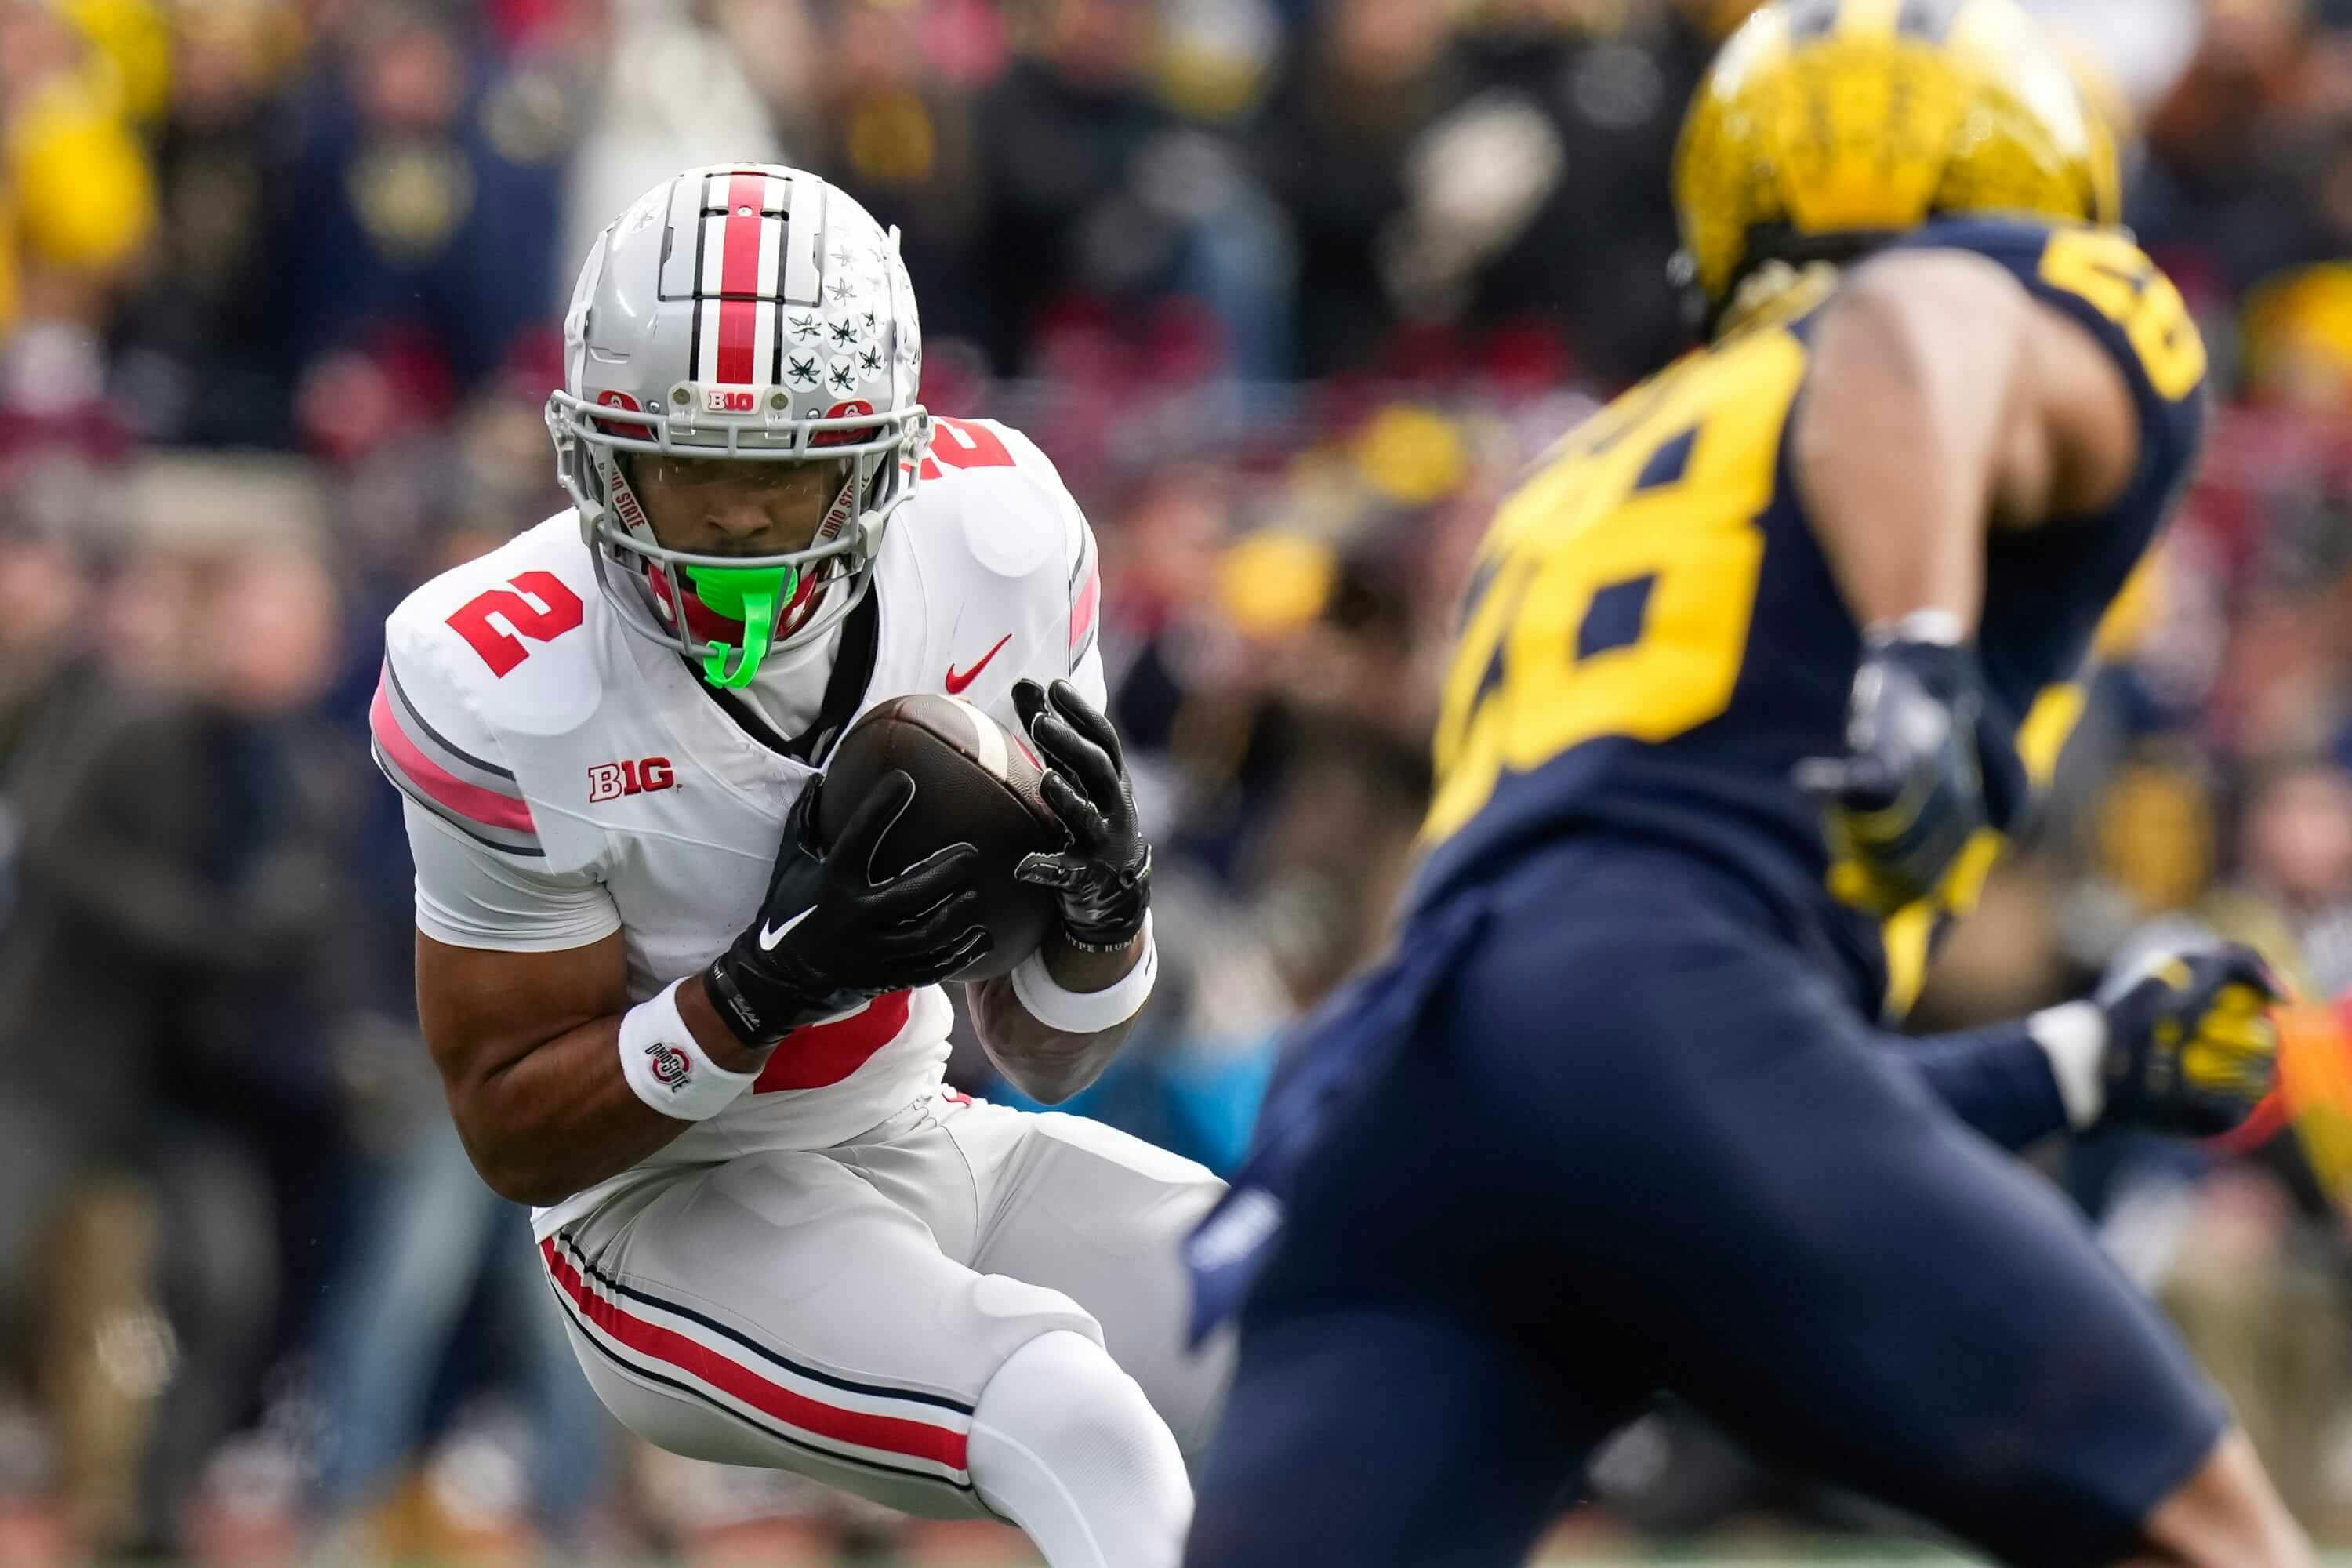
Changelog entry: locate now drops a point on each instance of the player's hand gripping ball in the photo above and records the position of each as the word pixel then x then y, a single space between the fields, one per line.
pixel 1101 878
pixel 2191 1044
pixel 836 929
pixel 1928 765
pixel 976 791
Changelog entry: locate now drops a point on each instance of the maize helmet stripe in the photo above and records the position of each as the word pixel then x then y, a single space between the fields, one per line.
pixel 1868 18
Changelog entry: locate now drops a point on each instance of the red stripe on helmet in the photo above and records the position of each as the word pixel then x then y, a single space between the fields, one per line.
pixel 739 279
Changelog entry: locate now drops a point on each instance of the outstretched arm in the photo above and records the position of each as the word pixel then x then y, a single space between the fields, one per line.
pixel 2008 1083
pixel 2180 1042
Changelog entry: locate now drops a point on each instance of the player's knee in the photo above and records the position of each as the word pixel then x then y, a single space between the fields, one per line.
pixel 1062 1397
pixel 1065 1445
pixel 2227 1515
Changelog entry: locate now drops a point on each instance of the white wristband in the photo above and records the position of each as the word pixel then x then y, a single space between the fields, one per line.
pixel 1940 627
pixel 1087 1012
pixel 2074 1037
pixel 668 1068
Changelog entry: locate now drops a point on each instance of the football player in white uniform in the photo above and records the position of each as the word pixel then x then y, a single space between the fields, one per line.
pixel 712 1054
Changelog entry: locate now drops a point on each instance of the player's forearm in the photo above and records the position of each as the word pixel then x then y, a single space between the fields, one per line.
pixel 1045 1063
pixel 562 1116
pixel 559 1119
pixel 1900 435
pixel 2015 1083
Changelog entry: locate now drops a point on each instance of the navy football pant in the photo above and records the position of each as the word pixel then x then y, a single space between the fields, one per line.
pixel 1635 1142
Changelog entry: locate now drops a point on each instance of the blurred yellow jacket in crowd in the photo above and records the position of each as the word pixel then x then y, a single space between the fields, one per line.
pixel 76 194
pixel 133 41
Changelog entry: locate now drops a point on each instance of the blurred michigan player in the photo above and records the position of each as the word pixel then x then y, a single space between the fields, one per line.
pixel 1755 672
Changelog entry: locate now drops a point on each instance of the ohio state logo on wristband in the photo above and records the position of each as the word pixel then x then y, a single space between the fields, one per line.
pixel 670 1066
pixel 666 1068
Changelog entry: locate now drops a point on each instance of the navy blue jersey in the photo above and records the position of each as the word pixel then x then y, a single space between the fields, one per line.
pixel 1654 640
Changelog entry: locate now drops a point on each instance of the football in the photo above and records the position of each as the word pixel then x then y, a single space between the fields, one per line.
pixel 975 782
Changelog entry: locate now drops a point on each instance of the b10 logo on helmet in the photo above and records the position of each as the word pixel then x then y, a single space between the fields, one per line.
pixel 610 780
pixel 728 400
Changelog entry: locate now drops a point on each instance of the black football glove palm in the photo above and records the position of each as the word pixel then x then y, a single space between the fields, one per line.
pixel 1102 878
pixel 829 936
pixel 2192 1046
pixel 1928 765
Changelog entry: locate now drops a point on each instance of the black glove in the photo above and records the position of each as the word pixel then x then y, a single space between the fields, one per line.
pixel 1102 878
pixel 1928 765
pixel 828 936
pixel 2192 1048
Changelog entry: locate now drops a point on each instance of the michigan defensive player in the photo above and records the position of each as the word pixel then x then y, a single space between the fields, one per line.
pixel 1753 675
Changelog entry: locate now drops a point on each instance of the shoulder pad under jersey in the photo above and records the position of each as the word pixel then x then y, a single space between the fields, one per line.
pixel 478 661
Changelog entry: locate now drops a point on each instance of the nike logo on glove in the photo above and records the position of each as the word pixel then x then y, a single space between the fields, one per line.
pixel 956 681
pixel 770 935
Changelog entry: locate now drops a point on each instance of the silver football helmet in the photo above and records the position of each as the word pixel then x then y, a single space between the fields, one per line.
pixel 740 312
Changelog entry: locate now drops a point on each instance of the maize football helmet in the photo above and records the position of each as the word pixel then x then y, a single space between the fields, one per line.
pixel 1825 127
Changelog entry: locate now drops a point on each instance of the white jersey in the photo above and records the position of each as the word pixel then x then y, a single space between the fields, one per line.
pixel 594 783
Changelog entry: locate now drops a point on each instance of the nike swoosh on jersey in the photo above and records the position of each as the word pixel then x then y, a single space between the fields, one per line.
pixel 770 935
pixel 956 681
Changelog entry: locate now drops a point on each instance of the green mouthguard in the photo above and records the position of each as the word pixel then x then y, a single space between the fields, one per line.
pixel 749 595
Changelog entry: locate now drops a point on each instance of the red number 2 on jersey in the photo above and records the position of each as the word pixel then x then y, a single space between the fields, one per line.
pixel 961 445
pixel 557 611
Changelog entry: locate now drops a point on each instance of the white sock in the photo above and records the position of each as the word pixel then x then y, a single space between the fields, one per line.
pixel 1065 1445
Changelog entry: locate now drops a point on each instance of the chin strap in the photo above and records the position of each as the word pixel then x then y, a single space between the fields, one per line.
pixel 749 595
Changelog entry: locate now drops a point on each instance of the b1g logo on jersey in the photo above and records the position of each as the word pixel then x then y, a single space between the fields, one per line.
pixel 610 780
pixel 670 1063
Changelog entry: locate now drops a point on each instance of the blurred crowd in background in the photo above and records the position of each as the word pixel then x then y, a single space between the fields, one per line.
pixel 1290 290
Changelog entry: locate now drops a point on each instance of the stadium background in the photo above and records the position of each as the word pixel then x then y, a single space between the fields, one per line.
pixel 1289 288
